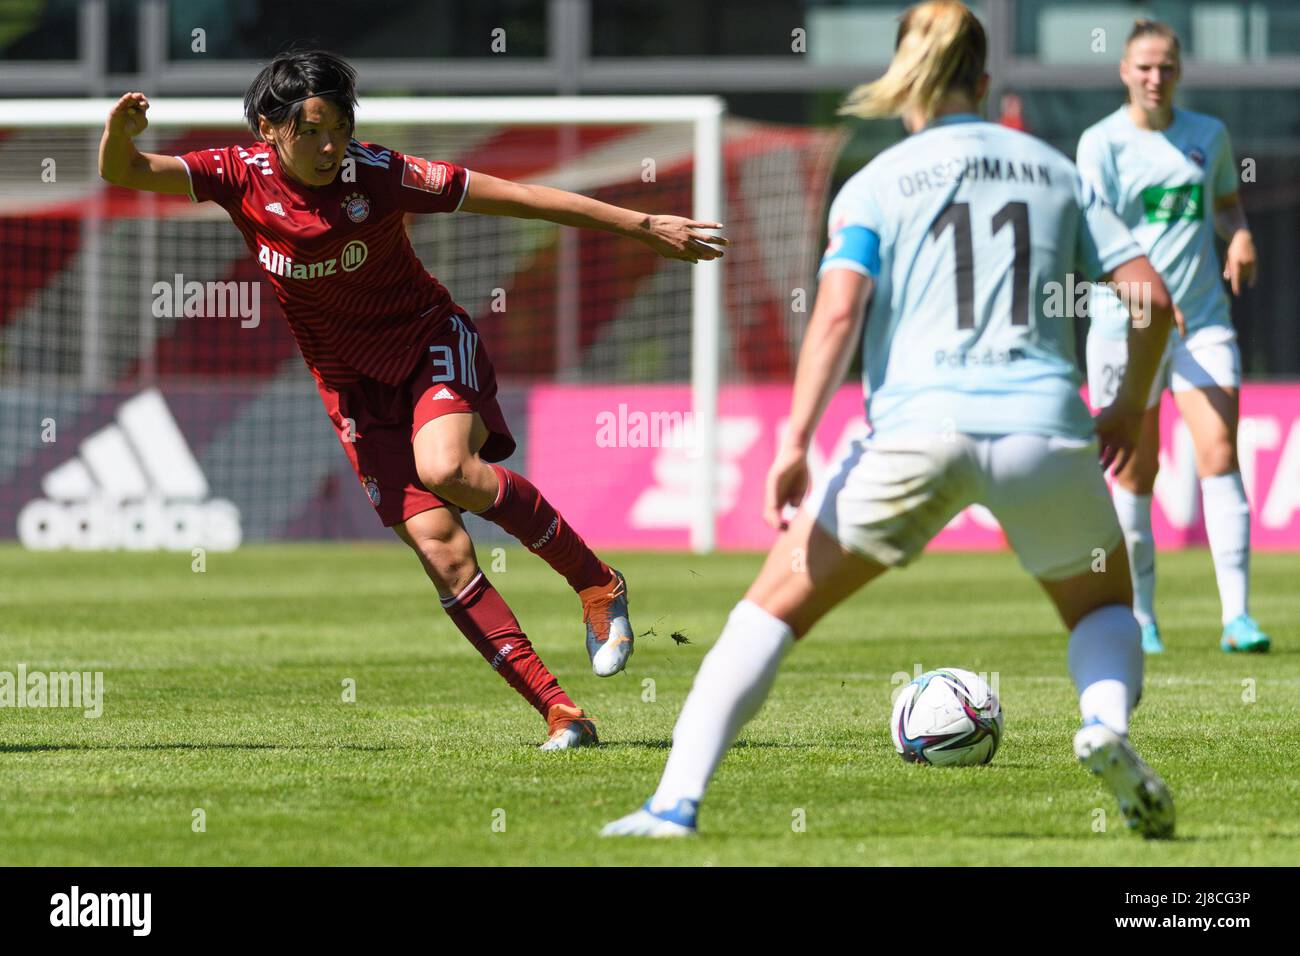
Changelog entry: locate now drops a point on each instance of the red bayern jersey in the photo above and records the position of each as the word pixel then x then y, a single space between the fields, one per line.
pixel 359 301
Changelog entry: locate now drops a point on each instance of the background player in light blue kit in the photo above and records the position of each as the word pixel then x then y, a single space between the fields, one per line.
pixel 955 237
pixel 1170 175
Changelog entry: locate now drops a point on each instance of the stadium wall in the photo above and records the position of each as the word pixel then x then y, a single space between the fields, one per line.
pixel 616 460
pixel 635 491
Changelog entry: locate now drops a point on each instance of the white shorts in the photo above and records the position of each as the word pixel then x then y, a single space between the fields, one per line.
pixel 1206 358
pixel 890 496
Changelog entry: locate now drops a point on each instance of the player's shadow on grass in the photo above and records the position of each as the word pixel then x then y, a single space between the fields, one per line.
pixel 32 748
pixel 1097 838
pixel 741 745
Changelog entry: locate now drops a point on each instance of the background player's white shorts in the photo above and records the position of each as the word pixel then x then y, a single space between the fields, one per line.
pixel 1205 358
pixel 890 496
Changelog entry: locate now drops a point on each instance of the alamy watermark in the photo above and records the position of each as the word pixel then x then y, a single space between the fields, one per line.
pixel 633 428
pixel 179 299
pixel 128 910
pixel 1070 299
pixel 77 690
pixel 901 679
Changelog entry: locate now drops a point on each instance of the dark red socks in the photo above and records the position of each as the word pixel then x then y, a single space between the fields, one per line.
pixel 521 510
pixel 488 623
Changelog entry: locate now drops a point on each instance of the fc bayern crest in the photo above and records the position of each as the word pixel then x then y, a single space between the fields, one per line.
pixel 357 207
pixel 372 489
pixel 1196 156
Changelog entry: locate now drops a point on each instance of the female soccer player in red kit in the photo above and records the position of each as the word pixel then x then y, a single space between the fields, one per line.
pixel 406 381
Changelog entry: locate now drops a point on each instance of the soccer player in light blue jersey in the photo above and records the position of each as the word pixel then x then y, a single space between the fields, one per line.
pixel 1170 175
pixel 960 238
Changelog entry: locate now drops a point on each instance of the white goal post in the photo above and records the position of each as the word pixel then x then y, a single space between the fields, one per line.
pixel 704 113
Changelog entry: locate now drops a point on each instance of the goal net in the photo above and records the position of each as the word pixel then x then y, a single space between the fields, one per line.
pixel 152 396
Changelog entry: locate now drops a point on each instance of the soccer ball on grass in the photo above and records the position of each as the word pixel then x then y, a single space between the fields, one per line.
pixel 948 717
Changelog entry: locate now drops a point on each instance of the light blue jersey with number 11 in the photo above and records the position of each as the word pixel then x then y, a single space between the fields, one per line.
pixel 976 237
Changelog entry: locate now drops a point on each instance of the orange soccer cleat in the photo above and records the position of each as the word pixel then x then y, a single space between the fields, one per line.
pixel 567 728
pixel 609 632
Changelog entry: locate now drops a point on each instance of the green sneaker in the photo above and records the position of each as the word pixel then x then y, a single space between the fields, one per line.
pixel 1242 635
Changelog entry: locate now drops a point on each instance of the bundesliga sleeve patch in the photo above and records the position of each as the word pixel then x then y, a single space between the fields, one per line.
pixel 421 174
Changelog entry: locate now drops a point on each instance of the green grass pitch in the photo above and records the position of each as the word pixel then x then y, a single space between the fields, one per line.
pixel 224 693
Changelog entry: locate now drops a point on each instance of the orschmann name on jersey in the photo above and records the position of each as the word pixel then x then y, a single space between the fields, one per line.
pixel 971 169
pixel 350 259
pixel 133 484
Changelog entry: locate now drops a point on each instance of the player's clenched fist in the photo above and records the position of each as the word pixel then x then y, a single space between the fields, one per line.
pixel 127 115
pixel 1118 427
pixel 122 164
pixel 787 483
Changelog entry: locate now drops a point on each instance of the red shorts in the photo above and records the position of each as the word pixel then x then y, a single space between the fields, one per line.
pixel 376 422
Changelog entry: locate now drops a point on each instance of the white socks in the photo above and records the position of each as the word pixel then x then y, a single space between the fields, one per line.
pixel 1135 518
pixel 737 674
pixel 732 684
pixel 1106 664
pixel 1227 525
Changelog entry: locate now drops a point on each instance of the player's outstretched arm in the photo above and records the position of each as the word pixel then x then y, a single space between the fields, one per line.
pixel 672 237
pixel 828 346
pixel 121 164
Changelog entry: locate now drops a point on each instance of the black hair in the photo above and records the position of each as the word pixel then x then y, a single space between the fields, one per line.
pixel 280 89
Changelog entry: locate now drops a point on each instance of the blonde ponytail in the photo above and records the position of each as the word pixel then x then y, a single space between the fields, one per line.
pixel 940 48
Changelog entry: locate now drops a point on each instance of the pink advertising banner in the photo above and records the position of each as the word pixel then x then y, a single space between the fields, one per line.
pixel 618 463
